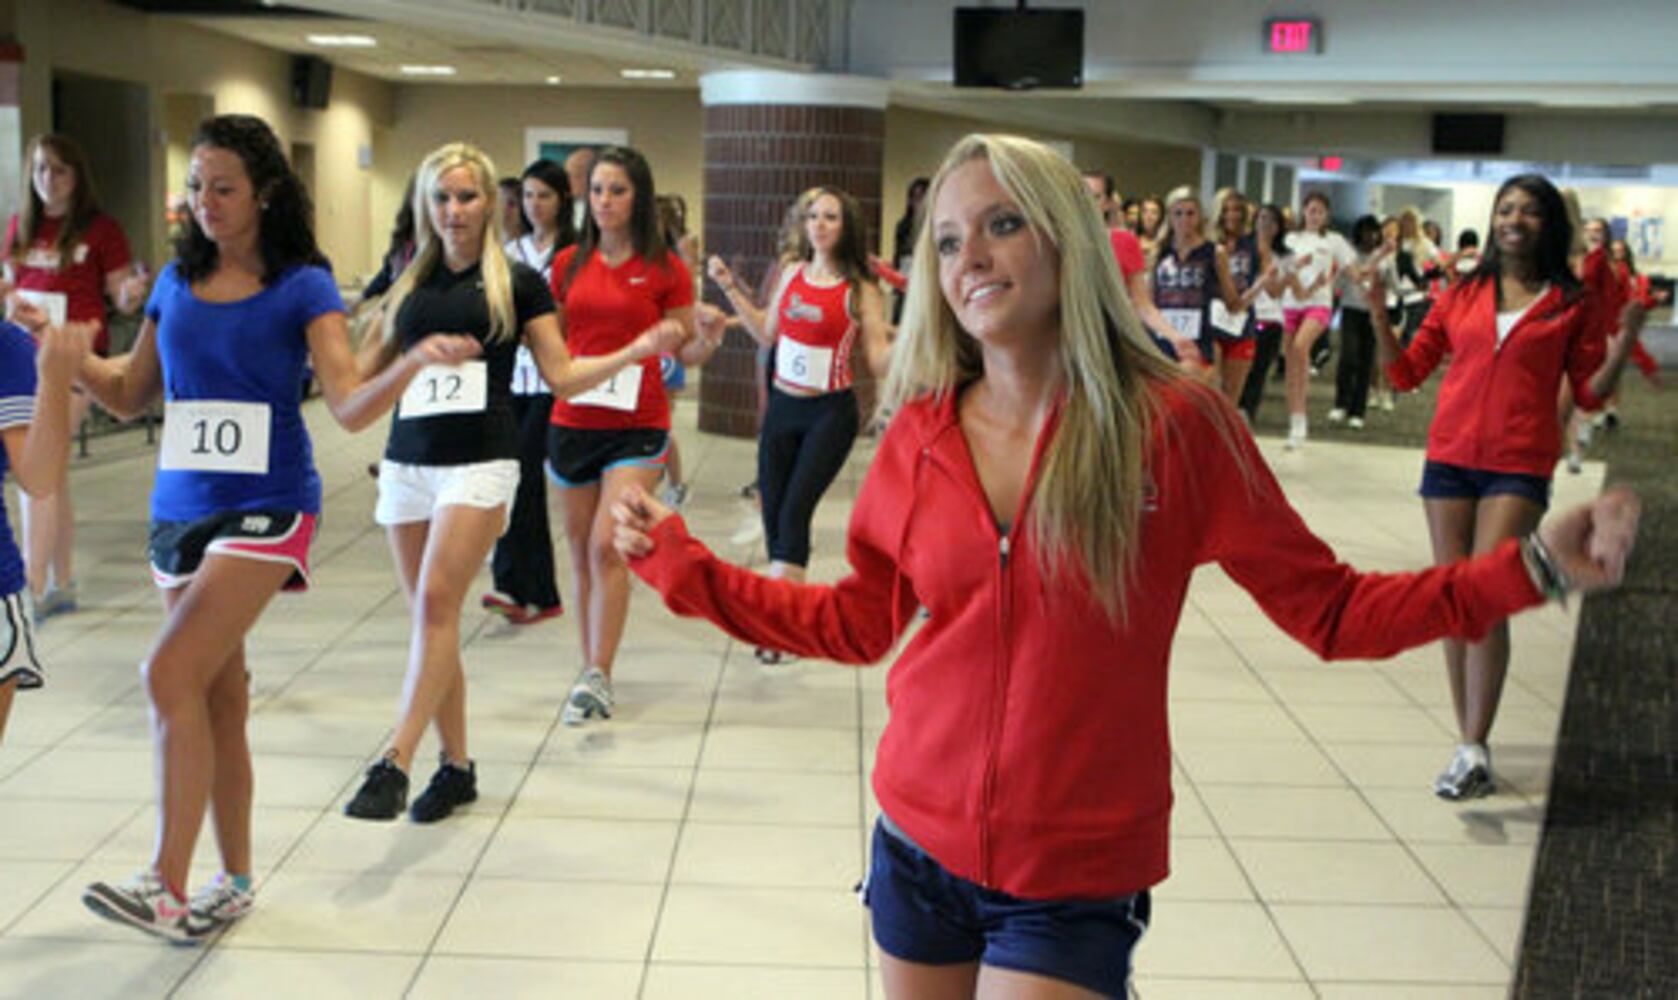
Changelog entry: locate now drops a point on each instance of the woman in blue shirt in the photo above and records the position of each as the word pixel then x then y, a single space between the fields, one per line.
pixel 247 302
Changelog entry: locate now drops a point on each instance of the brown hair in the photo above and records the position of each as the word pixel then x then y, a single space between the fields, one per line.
pixel 84 198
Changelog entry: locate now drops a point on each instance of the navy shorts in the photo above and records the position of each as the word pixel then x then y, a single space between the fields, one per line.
pixel 922 913
pixel 1442 481
pixel 579 457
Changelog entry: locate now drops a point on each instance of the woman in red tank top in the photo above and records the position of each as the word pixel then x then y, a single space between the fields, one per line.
pixel 819 313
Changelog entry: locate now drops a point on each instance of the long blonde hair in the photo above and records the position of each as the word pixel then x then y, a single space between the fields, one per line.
pixel 1087 509
pixel 428 246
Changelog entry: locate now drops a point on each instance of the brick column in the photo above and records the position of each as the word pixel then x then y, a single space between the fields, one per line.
pixel 770 136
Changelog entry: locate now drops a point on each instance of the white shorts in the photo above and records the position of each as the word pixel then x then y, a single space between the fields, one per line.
pixel 409 493
pixel 17 645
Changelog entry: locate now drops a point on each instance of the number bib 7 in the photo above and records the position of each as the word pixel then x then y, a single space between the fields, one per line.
pixel 621 392
pixel 802 365
pixel 439 390
pixel 215 435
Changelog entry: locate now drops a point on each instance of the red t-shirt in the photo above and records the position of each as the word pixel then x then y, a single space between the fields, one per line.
pixel 81 279
pixel 1128 249
pixel 605 309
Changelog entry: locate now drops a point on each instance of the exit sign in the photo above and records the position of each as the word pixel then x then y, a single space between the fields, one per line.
pixel 1293 36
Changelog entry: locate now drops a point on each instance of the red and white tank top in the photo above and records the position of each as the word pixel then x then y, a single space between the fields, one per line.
pixel 815 336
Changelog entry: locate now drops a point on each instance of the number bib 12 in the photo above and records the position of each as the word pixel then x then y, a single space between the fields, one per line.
pixel 802 365
pixel 439 390
pixel 621 392
pixel 215 435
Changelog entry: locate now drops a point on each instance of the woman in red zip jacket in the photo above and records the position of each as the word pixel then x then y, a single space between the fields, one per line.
pixel 1518 329
pixel 1045 490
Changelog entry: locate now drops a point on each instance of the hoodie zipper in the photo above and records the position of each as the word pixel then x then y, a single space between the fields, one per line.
pixel 999 711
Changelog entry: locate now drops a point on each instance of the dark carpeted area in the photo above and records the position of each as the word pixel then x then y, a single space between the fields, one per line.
pixel 1602 920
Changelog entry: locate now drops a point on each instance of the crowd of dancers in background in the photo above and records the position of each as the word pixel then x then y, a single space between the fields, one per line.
pixel 1067 379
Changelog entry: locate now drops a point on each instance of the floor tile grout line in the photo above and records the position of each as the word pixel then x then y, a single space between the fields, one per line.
pixel 682 821
pixel 1358 790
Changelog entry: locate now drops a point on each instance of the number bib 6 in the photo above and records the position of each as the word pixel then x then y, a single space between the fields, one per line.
pixel 444 389
pixel 215 435
pixel 802 365
pixel 621 392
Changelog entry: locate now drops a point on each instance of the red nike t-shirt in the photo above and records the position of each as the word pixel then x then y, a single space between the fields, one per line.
pixel 605 309
pixel 78 273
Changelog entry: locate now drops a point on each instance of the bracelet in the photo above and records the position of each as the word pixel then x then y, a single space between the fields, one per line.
pixel 1547 575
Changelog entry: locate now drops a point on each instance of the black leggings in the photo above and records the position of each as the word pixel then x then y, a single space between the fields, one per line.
pixel 803 445
pixel 1269 345
pixel 1357 361
pixel 524 556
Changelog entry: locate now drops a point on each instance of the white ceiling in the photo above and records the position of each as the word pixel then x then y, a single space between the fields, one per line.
pixel 477 59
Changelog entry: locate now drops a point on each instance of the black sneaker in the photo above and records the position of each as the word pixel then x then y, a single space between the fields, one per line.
pixel 382 795
pixel 451 786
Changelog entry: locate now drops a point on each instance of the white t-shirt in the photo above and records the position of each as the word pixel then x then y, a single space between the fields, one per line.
pixel 1422 251
pixel 1506 320
pixel 527 378
pixel 1322 248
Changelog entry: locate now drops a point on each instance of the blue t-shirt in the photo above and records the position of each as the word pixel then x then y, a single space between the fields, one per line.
pixel 250 351
pixel 17 409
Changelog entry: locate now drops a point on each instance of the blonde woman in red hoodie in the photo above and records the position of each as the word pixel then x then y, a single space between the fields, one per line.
pixel 1045 490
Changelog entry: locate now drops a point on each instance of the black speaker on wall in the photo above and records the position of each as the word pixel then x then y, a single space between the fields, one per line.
pixel 1468 134
pixel 311 82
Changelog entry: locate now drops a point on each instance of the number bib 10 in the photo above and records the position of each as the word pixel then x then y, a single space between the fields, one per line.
pixel 802 365
pixel 621 392
pixel 215 435
pixel 439 390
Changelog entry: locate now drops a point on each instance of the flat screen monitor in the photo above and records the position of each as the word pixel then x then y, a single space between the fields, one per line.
pixel 1019 49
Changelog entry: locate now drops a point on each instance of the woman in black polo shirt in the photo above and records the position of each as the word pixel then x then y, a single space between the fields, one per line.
pixel 451 468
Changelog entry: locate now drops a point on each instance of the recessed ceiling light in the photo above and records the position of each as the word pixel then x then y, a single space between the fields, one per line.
pixel 553 79
pixel 343 41
pixel 648 74
pixel 428 70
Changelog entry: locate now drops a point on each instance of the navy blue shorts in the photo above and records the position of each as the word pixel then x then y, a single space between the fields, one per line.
pixel 921 913
pixel 1442 481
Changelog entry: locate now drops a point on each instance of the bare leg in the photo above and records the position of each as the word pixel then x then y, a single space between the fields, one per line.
pixel 918 981
pixel 1299 363
pixel 580 505
pixel 437 561
pixel 608 607
pixel 1234 374
pixel 1011 984
pixel 1450 523
pixel 204 631
pixel 1487 661
pixel 6 691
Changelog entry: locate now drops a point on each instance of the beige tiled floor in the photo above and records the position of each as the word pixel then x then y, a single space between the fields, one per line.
pixel 704 843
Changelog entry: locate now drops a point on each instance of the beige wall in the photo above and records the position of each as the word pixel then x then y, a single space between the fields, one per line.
pixel 665 125
pixel 916 142
pixel 97 38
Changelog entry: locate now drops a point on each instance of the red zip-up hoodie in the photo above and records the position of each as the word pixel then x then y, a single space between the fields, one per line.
pixel 1497 404
pixel 1027 747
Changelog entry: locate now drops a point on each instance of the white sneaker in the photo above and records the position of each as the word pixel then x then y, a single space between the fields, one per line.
pixel 1388 400
pixel 1468 776
pixel 1575 463
pixel 1336 415
pixel 220 904
pixel 675 496
pixel 144 903
pixel 1355 423
pixel 590 696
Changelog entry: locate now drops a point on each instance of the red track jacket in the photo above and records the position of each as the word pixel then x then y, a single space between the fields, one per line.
pixel 1027 748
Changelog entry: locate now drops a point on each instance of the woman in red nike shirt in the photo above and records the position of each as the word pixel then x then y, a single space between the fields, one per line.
pixel 1045 490
pixel 620 280
pixel 67 256
pixel 1517 330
